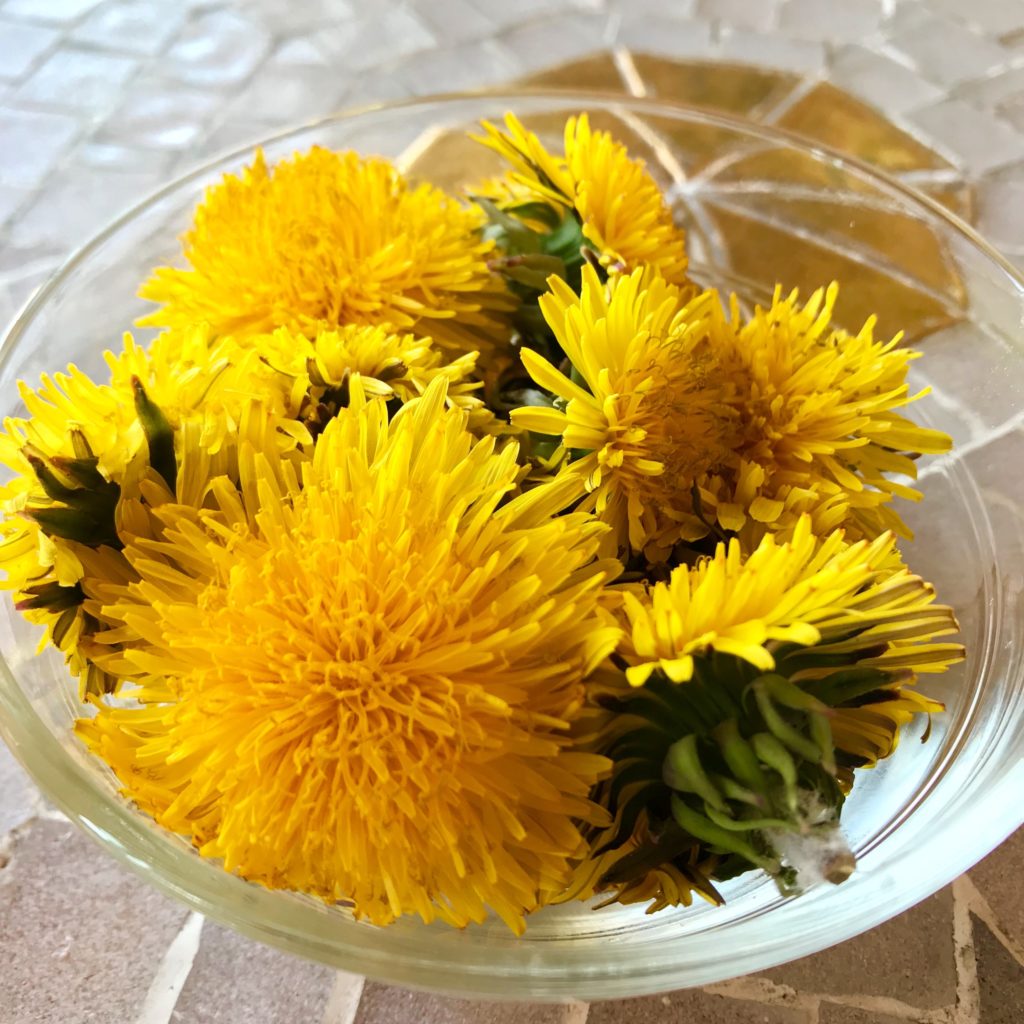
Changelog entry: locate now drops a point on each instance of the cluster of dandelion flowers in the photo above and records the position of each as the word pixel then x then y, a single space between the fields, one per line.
pixel 329 238
pixel 358 679
pixel 752 685
pixel 621 210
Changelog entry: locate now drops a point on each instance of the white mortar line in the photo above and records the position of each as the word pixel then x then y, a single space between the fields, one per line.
pixel 343 1002
pixel 576 1012
pixel 627 70
pixel 172 973
pixel 769 993
pixel 968 997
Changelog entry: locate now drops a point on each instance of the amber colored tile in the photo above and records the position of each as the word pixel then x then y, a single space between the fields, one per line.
pixel 734 88
pixel 449 158
pixel 830 115
pixel 956 196
pixel 597 72
pixel 753 246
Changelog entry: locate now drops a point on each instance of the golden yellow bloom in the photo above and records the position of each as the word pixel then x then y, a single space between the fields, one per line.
pixel 327 239
pixel 646 402
pixel 817 413
pixel 83 446
pixel 358 679
pixel 390 365
pixel 829 594
pixel 619 205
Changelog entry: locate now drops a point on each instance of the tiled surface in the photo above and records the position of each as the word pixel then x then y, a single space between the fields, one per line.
pixel 102 101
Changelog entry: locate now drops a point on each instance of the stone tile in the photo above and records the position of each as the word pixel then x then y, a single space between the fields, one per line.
pixel 21 45
pixel 218 48
pixel 77 203
pixel 993 90
pixel 980 140
pixel 823 20
pixel 358 44
pixel 888 960
pixel 1000 978
pixel 10 199
pixel 470 66
pixel 760 16
pixel 831 1013
pixel 235 980
pixel 456 20
pixel 79 80
pixel 975 365
pixel 280 95
pixel 80 937
pixel 117 158
pixel 641 9
pixel 300 51
pixel 382 1004
pixel 944 50
pixel 998 879
pixel 60 11
pixel 160 113
pixel 540 44
pixel 1001 212
pixel 139 27
pixel 17 793
pixel 693 1007
pixel 501 13
pixel 298 16
pixel 993 16
pixel 668 37
pixel 32 144
pixel 885 83
pixel 774 51
pixel 229 135
pixel 1012 110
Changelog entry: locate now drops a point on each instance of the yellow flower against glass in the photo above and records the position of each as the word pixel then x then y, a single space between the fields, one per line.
pixel 645 404
pixel 328 239
pixel 359 677
pixel 84 446
pixel 747 690
pixel 621 210
pixel 817 410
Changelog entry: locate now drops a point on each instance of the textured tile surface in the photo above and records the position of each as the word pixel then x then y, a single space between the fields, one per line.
pixel 100 100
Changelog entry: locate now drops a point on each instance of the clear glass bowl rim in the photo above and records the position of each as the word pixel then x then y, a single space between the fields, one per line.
pixel 123 834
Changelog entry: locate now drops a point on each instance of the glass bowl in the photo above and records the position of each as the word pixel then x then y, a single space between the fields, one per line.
pixel 761 207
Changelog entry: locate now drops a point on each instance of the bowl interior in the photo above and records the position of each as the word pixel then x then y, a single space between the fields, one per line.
pixel 761 209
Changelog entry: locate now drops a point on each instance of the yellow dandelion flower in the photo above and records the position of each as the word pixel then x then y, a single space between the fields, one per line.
pixel 645 403
pixel 817 409
pixel 328 239
pixel 83 446
pixel 802 591
pixel 746 691
pixel 620 207
pixel 358 680
pixel 390 365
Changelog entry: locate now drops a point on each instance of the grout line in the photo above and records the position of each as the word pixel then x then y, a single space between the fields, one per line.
pixel 343 1001
pixel 968 997
pixel 576 1012
pixel 980 907
pixel 1005 429
pixel 769 993
pixel 171 975
pixel 627 69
